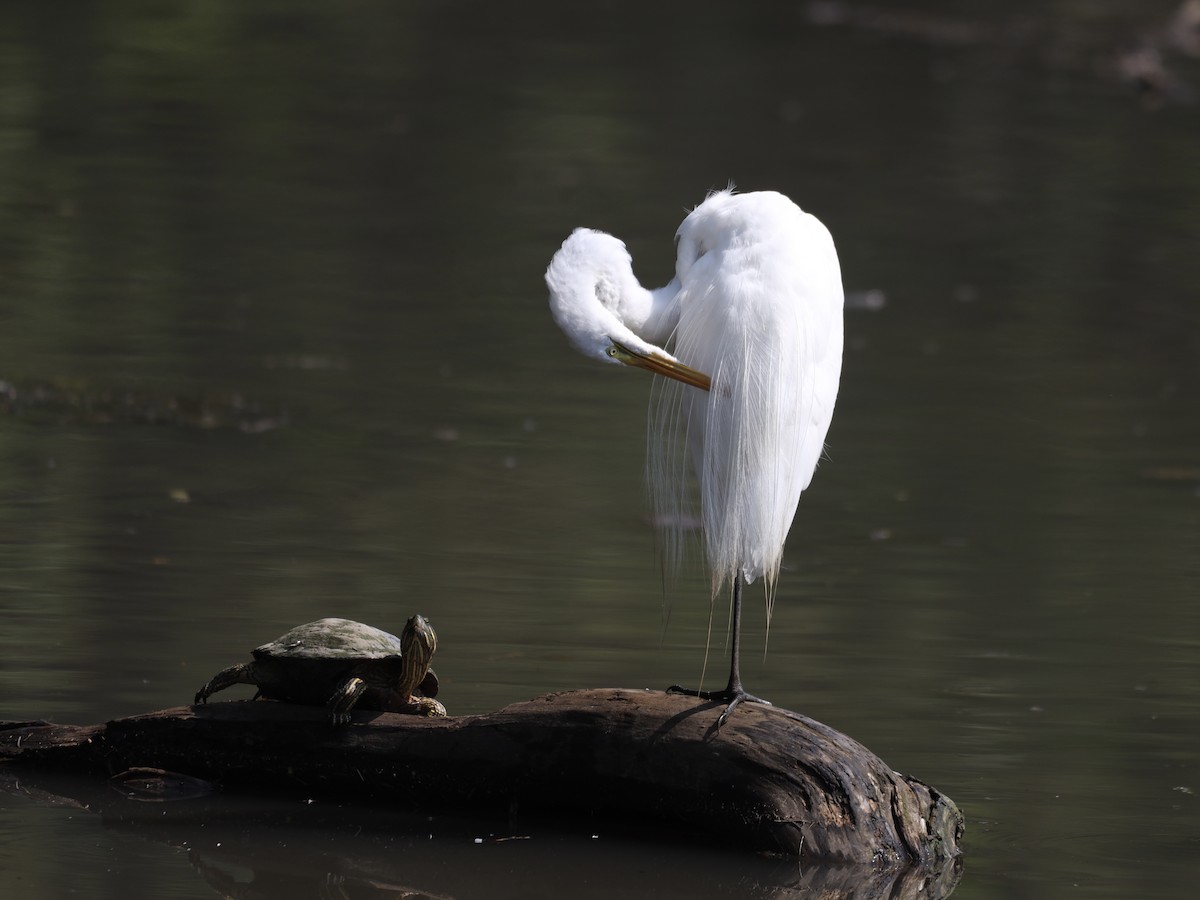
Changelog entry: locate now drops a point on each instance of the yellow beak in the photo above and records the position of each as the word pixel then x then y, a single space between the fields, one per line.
pixel 660 365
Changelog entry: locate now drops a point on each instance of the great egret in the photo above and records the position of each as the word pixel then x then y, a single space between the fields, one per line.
pixel 754 320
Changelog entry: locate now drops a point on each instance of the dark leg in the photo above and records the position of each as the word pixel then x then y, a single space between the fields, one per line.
pixel 239 674
pixel 734 693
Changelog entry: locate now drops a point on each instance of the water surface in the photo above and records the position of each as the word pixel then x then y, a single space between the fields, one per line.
pixel 274 346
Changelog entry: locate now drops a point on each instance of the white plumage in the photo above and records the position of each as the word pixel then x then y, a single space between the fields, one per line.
pixel 756 305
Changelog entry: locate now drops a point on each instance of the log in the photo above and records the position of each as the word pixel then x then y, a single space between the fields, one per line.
pixel 770 780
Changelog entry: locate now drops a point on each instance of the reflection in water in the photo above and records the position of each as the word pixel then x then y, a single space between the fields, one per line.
pixel 344 214
pixel 245 847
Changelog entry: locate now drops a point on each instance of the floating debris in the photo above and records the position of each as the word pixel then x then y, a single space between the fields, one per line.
pixel 78 402
pixel 872 300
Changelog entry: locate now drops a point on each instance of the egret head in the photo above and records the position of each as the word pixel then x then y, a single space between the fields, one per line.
pixel 593 292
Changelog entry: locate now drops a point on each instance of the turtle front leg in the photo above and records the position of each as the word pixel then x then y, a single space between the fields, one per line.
pixel 427 706
pixel 243 673
pixel 344 698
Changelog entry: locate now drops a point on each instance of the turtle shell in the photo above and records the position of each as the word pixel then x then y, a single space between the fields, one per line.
pixel 341 664
pixel 342 639
pixel 308 663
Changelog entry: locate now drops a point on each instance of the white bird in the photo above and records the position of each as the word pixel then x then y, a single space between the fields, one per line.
pixel 753 319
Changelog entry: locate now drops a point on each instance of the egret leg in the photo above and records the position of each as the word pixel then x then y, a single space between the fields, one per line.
pixel 734 694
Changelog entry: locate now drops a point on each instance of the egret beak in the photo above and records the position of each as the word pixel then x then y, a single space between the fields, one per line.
pixel 664 365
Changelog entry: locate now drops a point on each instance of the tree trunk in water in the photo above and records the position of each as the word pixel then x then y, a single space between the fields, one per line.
pixel 769 780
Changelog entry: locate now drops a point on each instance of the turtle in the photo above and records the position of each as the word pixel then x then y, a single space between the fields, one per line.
pixel 341 663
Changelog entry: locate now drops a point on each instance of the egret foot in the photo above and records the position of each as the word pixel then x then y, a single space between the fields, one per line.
pixel 731 695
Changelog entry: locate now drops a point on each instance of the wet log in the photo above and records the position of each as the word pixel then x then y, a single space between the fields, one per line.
pixel 770 780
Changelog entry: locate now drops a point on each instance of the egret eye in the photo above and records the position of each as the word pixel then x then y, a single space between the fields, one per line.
pixel 612 351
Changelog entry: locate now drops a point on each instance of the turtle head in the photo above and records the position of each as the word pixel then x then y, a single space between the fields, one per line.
pixel 418 639
pixel 418 643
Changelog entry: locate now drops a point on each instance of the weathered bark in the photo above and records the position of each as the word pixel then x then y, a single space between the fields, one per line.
pixel 770 780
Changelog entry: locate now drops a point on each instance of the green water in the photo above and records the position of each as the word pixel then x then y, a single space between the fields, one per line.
pixel 274 346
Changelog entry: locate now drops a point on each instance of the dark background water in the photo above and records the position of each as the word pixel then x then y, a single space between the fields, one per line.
pixel 274 346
